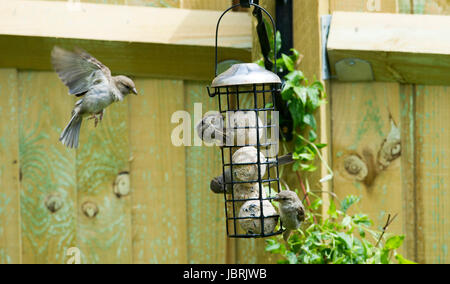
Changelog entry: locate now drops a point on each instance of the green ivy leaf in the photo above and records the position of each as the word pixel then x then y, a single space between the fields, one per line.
pixel 346 221
pixel 384 257
pixel 297 111
pixel 402 260
pixel 287 93
pixel 295 55
pixel 361 219
pixel 273 247
pixel 306 156
pixel 296 77
pixel 310 120
pixel 292 258
pixel 313 136
pixel 318 85
pixel 313 95
pixel 394 242
pixel 348 239
pixel 290 65
pixel 302 93
pixel 348 202
pixel 321 146
pixel 316 204
pixel 332 210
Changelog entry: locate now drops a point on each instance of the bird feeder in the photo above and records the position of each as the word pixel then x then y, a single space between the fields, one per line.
pixel 249 90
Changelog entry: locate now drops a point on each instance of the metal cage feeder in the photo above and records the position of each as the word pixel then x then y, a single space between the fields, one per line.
pixel 250 90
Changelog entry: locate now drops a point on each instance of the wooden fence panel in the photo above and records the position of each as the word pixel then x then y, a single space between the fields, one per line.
pixel 149 3
pixel 364 117
pixel 102 160
pixel 158 174
pixel 432 157
pixel 10 246
pixel 219 5
pixel 205 210
pixel 433 173
pixel 358 139
pixel 47 168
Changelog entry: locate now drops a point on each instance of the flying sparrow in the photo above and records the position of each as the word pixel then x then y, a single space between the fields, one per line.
pixel 88 78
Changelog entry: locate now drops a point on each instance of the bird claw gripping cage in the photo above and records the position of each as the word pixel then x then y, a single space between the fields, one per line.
pixel 248 91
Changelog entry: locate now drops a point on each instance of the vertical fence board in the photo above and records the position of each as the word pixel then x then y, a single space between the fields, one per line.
pixel 9 168
pixel 408 169
pixel 361 133
pixel 363 115
pixel 431 156
pixel 47 167
pixel 205 210
pixel 102 155
pixel 157 174
pixel 433 177
pixel 433 139
pixel 308 41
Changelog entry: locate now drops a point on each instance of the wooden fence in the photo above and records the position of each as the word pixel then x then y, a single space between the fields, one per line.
pixel 53 198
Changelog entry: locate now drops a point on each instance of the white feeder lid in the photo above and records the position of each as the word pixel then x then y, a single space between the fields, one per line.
pixel 245 74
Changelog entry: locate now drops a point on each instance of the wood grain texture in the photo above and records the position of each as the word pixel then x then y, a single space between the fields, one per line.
pixel 104 154
pixel 432 7
pixel 410 49
pixel 205 210
pixel 148 3
pixel 123 24
pixel 158 174
pixel 433 178
pixel 374 6
pixel 141 41
pixel 308 41
pixel 409 169
pixel 432 162
pixel 363 115
pixel 362 133
pixel 10 236
pixel 47 167
pixel 216 5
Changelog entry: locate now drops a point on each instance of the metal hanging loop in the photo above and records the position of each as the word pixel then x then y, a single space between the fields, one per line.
pixel 273 26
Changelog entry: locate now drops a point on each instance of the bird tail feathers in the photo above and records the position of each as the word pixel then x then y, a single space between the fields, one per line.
pixel 70 135
pixel 286 235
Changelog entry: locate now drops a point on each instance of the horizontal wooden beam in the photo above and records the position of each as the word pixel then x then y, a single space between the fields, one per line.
pixel 139 41
pixel 398 48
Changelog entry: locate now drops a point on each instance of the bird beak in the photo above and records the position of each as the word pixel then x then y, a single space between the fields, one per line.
pixel 135 91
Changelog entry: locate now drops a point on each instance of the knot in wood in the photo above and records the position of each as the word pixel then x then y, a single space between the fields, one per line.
pixel 121 185
pixel 90 209
pixel 53 202
pixel 390 151
pixel 356 167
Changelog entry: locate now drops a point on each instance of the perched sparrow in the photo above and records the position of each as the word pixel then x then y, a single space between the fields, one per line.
pixel 217 184
pixel 292 211
pixel 87 77
pixel 211 128
pixel 238 127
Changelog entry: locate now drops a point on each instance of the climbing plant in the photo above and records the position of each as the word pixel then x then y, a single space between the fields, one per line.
pixel 338 237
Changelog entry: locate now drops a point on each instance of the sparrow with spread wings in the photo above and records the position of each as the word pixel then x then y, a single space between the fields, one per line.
pixel 88 78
